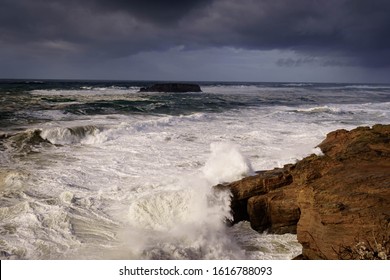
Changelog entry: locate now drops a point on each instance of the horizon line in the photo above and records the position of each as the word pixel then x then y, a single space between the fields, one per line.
pixel 37 80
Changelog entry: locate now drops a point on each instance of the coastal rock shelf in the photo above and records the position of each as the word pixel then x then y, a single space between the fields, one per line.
pixel 337 203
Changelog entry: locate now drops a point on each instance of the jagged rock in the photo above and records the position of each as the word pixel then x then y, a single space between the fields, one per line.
pixel 172 87
pixel 333 202
pixel 257 199
pixel 348 201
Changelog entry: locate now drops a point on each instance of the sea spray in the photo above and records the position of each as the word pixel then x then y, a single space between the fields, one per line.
pixel 226 163
pixel 188 221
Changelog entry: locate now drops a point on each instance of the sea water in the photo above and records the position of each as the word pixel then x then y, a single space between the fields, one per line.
pixel 97 170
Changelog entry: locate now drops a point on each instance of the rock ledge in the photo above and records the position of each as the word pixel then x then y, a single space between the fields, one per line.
pixel 337 203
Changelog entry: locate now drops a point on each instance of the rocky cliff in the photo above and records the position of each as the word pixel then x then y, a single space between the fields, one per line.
pixel 337 203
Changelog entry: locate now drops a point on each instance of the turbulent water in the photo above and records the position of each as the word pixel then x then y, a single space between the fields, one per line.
pixel 97 170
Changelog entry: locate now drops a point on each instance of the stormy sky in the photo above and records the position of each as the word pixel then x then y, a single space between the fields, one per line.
pixel 215 40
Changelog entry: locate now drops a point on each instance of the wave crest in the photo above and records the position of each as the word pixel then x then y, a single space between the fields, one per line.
pixel 319 110
pixel 74 135
pixel 25 142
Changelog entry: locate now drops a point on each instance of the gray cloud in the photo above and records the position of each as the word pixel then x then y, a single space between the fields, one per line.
pixel 353 28
pixel 162 12
pixel 354 32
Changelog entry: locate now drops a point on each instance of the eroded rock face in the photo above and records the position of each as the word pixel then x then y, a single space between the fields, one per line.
pixel 348 201
pixel 172 87
pixel 332 202
pixel 264 200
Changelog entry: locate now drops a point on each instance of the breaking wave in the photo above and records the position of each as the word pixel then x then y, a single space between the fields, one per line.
pixel 26 142
pixel 319 110
pixel 32 141
pixel 188 221
pixel 74 135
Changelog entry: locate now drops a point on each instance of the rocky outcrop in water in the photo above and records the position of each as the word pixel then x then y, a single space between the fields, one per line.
pixel 338 203
pixel 266 200
pixel 172 87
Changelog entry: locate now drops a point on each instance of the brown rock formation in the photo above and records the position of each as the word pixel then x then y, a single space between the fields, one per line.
pixel 340 199
pixel 348 201
pixel 263 201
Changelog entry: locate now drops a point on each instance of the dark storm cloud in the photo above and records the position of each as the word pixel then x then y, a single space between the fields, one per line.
pixel 162 12
pixel 349 29
pixel 341 31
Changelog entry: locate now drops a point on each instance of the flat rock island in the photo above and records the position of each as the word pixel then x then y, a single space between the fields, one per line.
pixel 172 87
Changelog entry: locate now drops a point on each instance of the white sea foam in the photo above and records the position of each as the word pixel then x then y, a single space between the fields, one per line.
pixel 265 246
pixel 187 218
pixel 12 180
pixel 140 186
pixel 320 109
pixel 368 86
pixel 186 223
pixel 226 163
pixel 298 84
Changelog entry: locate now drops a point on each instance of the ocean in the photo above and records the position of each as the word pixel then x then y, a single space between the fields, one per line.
pixel 97 170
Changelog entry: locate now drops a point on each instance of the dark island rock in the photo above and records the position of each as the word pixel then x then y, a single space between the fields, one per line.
pixel 338 203
pixel 172 87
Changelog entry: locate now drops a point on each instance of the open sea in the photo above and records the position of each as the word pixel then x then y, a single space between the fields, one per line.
pixel 97 170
